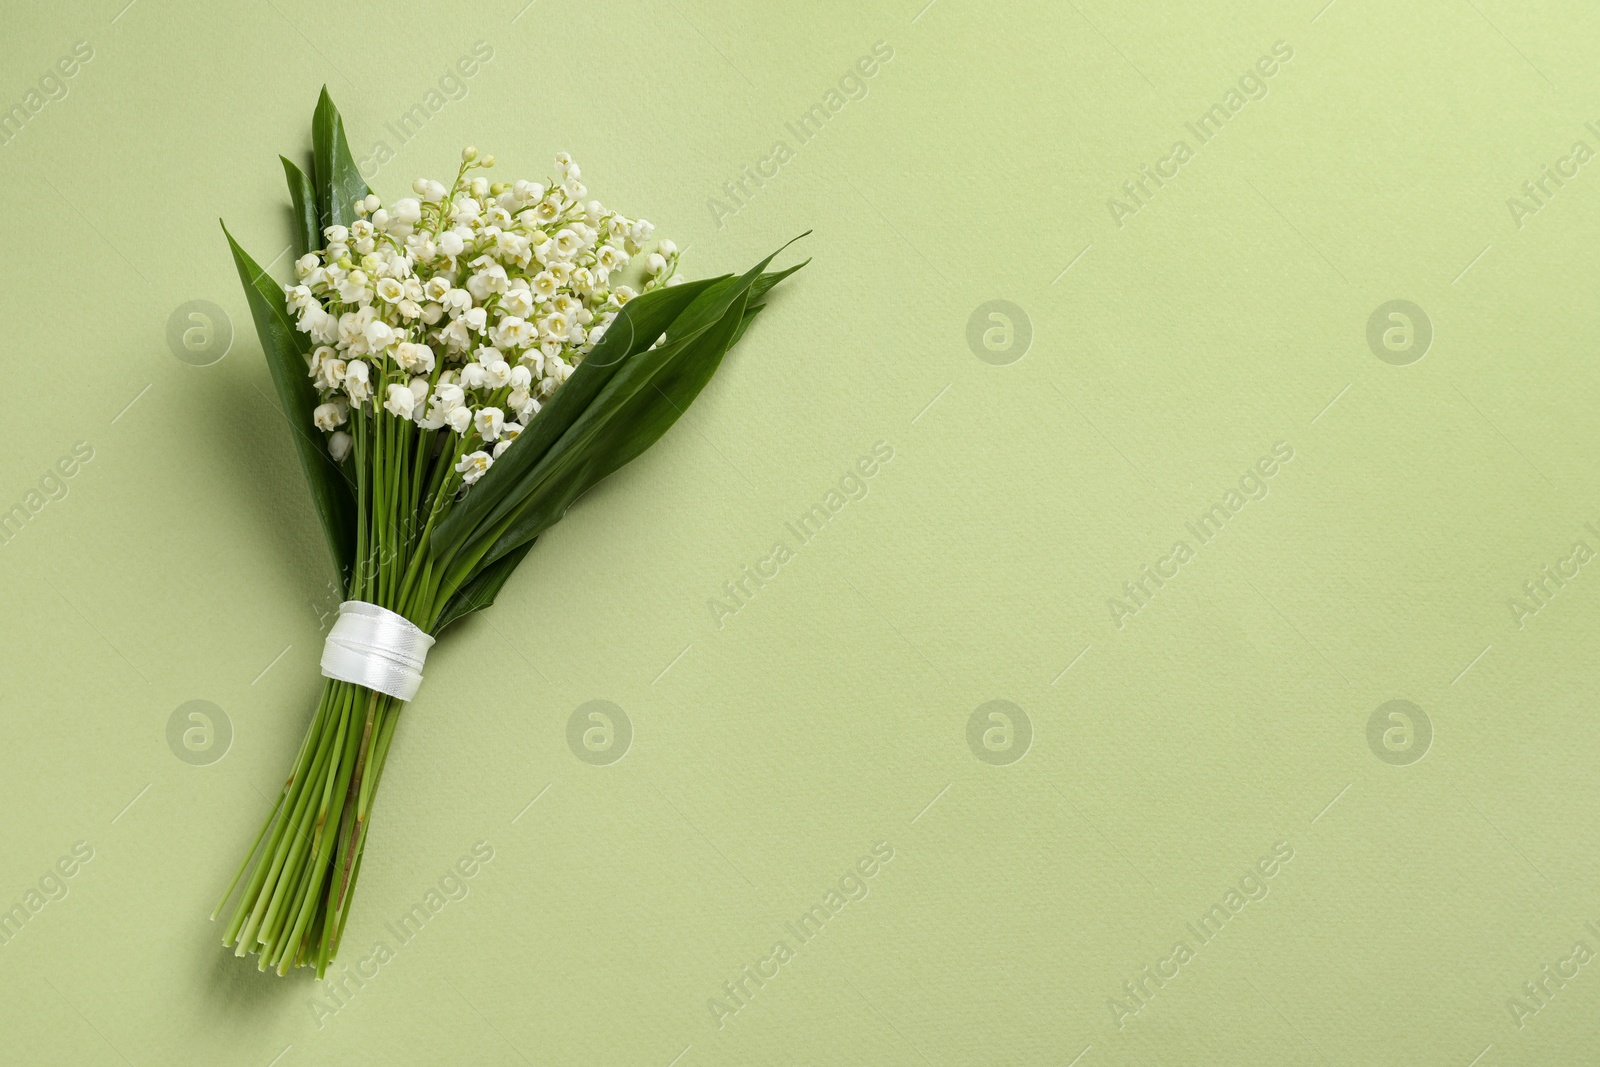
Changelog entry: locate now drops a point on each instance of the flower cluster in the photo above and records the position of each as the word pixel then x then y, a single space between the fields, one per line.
pixel 462 309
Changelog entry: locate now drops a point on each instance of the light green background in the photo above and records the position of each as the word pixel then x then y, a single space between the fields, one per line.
pixel 831 712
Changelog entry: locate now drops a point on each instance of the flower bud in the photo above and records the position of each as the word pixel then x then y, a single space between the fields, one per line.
pixel 408 211
pixel 327 416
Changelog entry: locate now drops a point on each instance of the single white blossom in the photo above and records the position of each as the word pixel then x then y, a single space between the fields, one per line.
pixel 414 357
pixel 357 381
pixel 474 465
pixel 488 423
pixel 329 417
pixel 517 303
pixel 508 433
pixel 449 395
pixel 330 374
pixel 399 401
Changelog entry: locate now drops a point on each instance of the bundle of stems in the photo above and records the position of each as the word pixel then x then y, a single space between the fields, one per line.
pixel 428 497
pixel 295 904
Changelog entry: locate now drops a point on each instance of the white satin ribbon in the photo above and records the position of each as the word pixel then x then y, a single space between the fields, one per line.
pixel 377 648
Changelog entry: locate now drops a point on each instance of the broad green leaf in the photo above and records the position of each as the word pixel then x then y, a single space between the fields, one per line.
pixel 480 592
pixel 638 325
pixel 648 416
pixel 709 307
pixel 573 449
pixel 764 284
pixel 750 312
pixel 339 182
pixel 653 411
pixel 308 235
pixel 704 312
pixel 623 425
pixel 286 349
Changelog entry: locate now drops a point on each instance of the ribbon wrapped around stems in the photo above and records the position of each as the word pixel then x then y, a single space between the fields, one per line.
pixel 377 648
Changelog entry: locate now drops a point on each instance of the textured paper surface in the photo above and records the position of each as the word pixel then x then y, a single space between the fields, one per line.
pixel 1155 354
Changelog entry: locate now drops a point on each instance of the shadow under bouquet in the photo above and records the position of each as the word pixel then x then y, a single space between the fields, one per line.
pixel 458 367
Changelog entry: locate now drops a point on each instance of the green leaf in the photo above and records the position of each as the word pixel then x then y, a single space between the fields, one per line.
pixel 308 235
pixel 709 307
pixel 480 592
pixel 635 329
pixel 764 284
pixel 632 414
pixel 339 182
pixel 639 402
pixel 711 302
pixel 750 312
pixel 286 349
pixel 622 426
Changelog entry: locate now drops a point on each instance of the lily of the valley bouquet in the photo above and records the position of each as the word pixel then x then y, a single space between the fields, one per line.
pixel 458 367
